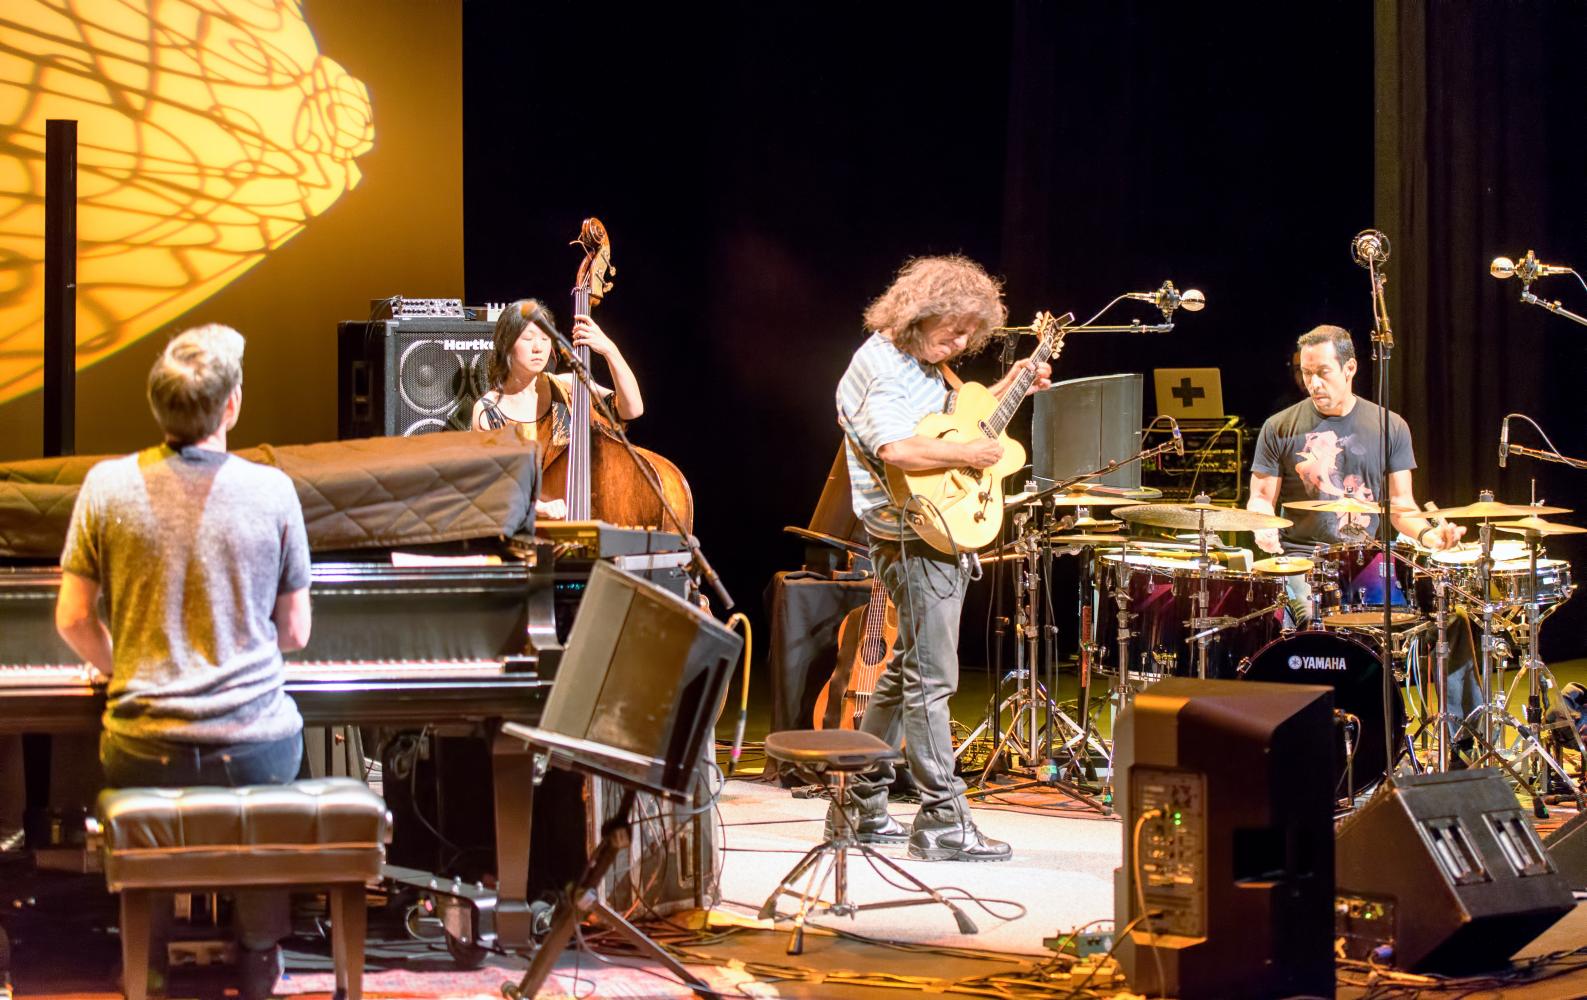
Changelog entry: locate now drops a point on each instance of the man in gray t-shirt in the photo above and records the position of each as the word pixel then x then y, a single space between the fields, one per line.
pixel 203 564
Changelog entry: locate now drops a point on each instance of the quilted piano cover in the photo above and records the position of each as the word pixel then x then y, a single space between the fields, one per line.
pixel 366 493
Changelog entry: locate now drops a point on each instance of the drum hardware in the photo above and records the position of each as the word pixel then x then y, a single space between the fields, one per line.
pixel 1226 622
pixel 1024 738
pixel 1493 710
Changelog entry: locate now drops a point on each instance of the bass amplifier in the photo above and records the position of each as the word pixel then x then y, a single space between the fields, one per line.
pixel 1217 461
pixel 409 376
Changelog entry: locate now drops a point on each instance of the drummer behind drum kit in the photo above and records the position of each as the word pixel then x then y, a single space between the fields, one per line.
pixel 1159 607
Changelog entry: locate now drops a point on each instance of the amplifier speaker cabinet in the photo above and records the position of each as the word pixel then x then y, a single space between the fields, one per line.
pixel 409 376
pixel 1444 873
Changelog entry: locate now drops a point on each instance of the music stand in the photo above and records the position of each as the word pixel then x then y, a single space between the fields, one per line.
pixel 635 697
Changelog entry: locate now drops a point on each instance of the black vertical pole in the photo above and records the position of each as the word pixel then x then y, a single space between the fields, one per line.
pixel 60 287
pixel 60 394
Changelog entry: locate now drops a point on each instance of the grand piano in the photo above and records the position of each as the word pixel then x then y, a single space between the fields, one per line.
pixel 434 604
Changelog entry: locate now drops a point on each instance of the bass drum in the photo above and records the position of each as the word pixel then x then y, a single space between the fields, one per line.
pixel 1354 671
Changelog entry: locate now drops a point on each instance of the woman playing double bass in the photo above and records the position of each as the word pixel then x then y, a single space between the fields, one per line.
pixel 528 390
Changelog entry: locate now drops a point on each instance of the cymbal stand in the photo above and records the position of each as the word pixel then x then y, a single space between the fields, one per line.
pixel 1535 669
pixel 1492 706
pixel 1203 598
pixel 1022 704
pixel 1443 720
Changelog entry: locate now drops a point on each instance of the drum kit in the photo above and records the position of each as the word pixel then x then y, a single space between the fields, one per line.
pixel 1193 606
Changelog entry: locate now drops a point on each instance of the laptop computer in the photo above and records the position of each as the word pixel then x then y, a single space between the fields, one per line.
pixel 1189 393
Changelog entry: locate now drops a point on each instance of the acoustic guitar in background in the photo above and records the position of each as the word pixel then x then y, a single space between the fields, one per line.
pixel 958 510
pixel 865 647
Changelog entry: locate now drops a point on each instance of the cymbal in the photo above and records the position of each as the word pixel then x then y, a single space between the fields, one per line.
pixel 1488 509
pixel 1283 566
pixel 1538 526
pixel 1073 500
pixel 1339 505
pixel 1079 539
pixel 1202 515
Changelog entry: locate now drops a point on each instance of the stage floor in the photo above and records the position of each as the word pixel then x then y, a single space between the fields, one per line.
pixel 1059 879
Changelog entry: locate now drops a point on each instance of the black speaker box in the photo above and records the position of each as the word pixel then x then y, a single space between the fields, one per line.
pixel 409 376
pixel 1444 873
pixel 1226 788
pixel 1568 847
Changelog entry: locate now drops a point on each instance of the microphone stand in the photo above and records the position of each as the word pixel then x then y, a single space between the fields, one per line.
pixel 582 372
pixel 1532 300
pixel 1382 353
pixel 1547 456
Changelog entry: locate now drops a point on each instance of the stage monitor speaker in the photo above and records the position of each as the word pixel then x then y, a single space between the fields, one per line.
pixel 1444 873
pixel 1085 423
pixel 409 376
pixel 1226 789
pixel 1568 847
pixel 645 673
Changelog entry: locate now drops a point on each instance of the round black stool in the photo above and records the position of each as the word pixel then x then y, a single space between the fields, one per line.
pixel 833 756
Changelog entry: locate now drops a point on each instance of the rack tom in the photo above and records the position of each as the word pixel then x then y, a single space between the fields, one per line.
pixel 1349 577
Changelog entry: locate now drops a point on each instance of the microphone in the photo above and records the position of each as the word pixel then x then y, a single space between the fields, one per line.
pixel 1168 298
pixel 1369 247
pixel 1179 440
pixel 1528 268
pixel 1504 441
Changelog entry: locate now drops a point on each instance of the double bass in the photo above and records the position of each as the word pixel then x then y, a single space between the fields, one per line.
pixel 594 472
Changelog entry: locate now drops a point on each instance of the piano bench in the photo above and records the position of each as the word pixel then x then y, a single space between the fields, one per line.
pixel 323 833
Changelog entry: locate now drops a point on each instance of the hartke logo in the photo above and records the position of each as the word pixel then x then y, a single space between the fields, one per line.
pixel 1318 663
pixel 480 344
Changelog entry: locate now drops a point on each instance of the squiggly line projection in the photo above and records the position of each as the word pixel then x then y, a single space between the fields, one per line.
pixel 209 133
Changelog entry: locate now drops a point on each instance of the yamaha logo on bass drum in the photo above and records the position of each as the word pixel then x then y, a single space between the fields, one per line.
pixel 1318 663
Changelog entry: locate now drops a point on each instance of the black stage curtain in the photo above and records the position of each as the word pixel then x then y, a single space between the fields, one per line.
pixel 1481 153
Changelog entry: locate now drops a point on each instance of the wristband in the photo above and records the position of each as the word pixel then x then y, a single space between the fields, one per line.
pixel 1423 532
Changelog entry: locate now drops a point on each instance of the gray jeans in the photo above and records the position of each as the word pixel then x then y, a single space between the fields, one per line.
pixel 910 704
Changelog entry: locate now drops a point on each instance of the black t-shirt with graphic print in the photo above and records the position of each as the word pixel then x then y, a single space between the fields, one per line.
pixel 1324 458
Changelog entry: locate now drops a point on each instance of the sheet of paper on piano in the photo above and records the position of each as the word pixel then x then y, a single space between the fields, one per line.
pixel 422 559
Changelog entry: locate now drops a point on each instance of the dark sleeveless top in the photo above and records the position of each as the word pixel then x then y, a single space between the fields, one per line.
pixel 558 413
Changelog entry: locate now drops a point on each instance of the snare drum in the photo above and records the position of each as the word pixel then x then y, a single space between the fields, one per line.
pixel 1162 600
pixel 1509 581
pixel 1352 596
pixel 1355 672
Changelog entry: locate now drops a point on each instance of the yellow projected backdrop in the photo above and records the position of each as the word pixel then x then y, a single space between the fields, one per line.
pixel 209 133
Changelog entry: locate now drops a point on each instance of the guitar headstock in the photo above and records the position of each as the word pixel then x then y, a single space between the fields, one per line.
pixel 1050 330
pixel 597 263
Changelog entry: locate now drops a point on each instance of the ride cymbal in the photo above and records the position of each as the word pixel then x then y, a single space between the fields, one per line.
pixel 1202 515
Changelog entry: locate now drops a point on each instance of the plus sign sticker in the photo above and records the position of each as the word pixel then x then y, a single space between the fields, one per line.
pixel 1187 392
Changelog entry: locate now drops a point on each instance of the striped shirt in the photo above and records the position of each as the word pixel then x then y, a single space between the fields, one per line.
pixel 881 399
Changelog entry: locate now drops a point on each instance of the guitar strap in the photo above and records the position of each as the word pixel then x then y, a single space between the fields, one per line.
pixel 949 375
